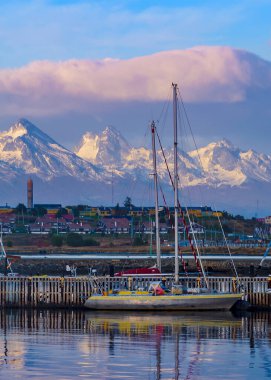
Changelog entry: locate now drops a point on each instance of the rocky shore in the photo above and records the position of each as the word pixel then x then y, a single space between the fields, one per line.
pixel 50 267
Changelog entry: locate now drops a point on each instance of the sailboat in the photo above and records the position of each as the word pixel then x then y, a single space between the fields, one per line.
pixel 174 299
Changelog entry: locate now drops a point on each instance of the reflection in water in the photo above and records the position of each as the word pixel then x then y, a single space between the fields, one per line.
pixel 69 344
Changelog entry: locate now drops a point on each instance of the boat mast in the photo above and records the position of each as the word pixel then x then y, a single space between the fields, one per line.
pixel 158 247
pixel 176 265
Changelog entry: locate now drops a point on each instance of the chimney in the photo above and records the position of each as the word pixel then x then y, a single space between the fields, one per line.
pixel 29 193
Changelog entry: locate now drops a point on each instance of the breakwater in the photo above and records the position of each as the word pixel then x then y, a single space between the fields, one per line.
pixel 69 292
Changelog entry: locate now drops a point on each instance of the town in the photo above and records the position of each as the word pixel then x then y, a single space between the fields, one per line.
pixel 62 223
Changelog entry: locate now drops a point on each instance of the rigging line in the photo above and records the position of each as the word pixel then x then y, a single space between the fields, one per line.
pixel 200 161
pixel 179 249
pixel 207 217
pixel 197 249
pixel 131 188
pixel 181 211
pixel 166 104
pixel 189 124
pixel 228 248
pixel 161 123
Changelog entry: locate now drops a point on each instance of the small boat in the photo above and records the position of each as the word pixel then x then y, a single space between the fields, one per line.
pixel 157 297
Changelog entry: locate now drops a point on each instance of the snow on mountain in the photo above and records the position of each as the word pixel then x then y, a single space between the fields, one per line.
pixel 108 148
pixel 256 166
pixel 225 164
pixel 221 163
pixel 217 164
pixel 27 149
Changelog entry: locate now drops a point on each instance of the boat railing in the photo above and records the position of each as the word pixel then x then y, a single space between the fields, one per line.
pixel 219 284
pixel 73 291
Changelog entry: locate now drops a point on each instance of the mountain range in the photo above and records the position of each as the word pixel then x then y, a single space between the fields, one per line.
pixel 105 168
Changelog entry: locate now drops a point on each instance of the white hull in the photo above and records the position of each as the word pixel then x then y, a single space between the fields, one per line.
pixel 168 302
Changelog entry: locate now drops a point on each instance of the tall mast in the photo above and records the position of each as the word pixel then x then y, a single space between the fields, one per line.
pixel 176 245
pixel 158 248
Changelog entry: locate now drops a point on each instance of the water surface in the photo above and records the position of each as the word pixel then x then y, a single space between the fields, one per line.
pixel 70 345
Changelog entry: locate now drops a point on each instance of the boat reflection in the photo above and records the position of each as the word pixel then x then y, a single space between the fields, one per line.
pixel 209 324
pixel 134 345
pixel 186 333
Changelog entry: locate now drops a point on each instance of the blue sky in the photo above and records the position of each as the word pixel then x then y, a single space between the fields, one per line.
pixel 60 30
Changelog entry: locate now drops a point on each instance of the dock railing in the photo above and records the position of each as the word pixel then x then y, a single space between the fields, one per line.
pixel 71 292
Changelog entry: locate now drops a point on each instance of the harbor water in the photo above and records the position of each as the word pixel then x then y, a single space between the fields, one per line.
pixel 44 344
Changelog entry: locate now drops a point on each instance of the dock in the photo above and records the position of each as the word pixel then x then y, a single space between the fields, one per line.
pixel 71 292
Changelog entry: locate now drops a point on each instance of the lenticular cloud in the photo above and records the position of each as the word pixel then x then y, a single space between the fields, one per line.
pixel 205 74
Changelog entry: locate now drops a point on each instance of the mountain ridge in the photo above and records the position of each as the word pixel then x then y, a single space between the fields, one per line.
pixel 88 173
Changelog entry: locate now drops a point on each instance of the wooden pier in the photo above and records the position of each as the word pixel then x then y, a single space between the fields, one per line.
pixel 71 292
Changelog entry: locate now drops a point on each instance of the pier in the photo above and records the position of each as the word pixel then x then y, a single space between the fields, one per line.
pixel 71 292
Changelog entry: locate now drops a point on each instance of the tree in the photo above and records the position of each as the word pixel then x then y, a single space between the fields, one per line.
pixel 138 241
pixel 57 240
pixel 74 240
pixel 61 212
pixel 128 203
pixel 20 209
pixel 75 212
pixel 39 211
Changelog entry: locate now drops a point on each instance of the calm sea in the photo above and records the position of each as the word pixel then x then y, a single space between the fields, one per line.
pixel 72 345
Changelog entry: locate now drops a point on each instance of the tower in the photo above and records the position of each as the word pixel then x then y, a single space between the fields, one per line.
pixel 29 193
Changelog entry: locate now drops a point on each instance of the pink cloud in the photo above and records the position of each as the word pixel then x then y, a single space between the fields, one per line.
pixel 205 74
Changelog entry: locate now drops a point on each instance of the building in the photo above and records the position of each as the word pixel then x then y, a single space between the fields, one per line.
pixel 29 193
pixel 51 208
pixel 114 225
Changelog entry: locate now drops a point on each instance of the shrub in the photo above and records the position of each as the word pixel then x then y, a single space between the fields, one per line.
pixel 57 240
pixel 138 241
pixel 74 240
pixel 9 244
pixel 90 242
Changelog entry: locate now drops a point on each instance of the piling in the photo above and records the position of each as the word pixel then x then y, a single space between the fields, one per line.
pixel 72 292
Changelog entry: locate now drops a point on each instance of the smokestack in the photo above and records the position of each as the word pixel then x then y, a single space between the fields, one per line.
pixel 29 193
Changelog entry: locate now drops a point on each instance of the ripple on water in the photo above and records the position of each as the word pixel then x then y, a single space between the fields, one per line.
pixel 67 345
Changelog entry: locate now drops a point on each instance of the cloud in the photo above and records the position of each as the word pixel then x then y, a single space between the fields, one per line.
pixel 205 74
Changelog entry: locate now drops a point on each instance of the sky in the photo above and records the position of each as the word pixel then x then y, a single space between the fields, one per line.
pixel 76 66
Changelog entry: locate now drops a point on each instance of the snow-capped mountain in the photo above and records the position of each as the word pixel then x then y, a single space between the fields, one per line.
pixel 225 164
pixel 217 164
pixel 108 148
pixel 86 174
pixel 26 149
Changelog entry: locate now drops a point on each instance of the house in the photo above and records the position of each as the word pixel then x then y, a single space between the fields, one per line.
pixel 6 228
pixel 80 228
pixel 135 211
pixel 105 211
pixel 39 228
pixel 114 225
pixel 89 212
pixel 6 209
pixel 196 228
